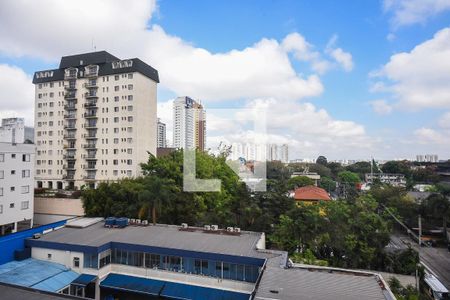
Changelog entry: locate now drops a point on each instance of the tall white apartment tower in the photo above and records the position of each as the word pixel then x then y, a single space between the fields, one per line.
pixel 16 186
pixel 95 119
pixel 162 142
pixel 189 124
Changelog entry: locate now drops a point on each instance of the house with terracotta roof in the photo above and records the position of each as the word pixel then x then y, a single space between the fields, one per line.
pixel 310 194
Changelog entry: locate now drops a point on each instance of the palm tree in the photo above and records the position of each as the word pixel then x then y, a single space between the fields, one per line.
pixel 157 190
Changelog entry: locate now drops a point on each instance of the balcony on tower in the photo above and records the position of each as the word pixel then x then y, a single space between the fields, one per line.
pixel 70 95
pixel 70 155
pixel 89 145
pixel 91 84
pixel 91 135
pixel 91 71
pixel 91 103
pixel 70 125
pixel 70 145
pixel 91 94
pixel 70 135
pixel 70 85
pixel 91 124
pixel 70 115
pixel 91 114
pixel 91 154
pixel 70 73
pixel 91 166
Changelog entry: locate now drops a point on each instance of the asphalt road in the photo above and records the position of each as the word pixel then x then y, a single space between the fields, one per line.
pixel 436 259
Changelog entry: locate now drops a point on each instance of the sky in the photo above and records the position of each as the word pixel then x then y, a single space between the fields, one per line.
pixel 345 79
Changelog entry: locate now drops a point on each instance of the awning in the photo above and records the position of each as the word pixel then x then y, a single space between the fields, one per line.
pixel 84 279
pixel 133 284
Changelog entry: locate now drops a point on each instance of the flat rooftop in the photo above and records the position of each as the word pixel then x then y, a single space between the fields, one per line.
pixel 37 274
pixel 163 236
pixel 300 283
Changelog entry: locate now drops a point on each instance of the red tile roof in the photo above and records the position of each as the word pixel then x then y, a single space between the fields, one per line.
pixel 311 192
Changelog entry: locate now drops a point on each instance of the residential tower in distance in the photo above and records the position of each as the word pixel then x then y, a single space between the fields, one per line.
pixel 189 124
pixel 162 142
pixel 13 130
pixel 95 119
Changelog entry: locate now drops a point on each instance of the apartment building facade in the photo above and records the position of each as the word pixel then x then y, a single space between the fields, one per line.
pixel 16 187
pixel 95 120
pixel 189 124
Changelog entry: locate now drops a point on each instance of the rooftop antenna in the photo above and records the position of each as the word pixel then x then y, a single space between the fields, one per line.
pixel 93 45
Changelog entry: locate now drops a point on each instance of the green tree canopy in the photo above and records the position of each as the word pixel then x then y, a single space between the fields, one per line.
pixel 299 181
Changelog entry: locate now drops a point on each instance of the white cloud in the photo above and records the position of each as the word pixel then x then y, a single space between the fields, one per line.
pixel 16 94
pixel 407 12
pixel 444 121
pixel 420 78
pixel 381 107
pixel 342 58
pixel 428 135
pixel 54 28
pixel 307 130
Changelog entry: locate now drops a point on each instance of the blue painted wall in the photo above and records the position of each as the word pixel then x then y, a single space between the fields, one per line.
pixel 16 241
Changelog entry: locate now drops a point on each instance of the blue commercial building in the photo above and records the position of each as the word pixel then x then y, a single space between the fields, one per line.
pixel 89 258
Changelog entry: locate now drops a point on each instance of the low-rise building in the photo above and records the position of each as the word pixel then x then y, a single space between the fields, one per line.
pixel 389 178
pixel 16 187
pixel 143 261
pixel 310 194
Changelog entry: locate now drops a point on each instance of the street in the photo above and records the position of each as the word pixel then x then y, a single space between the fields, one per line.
pixel 436 259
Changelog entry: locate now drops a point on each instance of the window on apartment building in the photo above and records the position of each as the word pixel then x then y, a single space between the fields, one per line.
pixel 130 97
pixel 40 96
pixel 52 94
pixel 129 162
pixel 130 119
pixel 49 255
pixel 24 205
pixel 116 77
pixel 130 76
pixel 116 88
pixel 13 155
pixel 115 162
pixel 25 157
pixel 25 189
pixel 116 109
pixel 13 172
pixel 76 262
pixel 11 205
pixel 40 85
pixel 116 130
pixel 2 174
pixel 116 119
pixel 130 87
pixel 12 189
pixel 2 157
pixel 1 208
pixel 115 173
pixel 25 173
pixel 116 98
pixel 130 151
pixel 129 173
pixel 1 191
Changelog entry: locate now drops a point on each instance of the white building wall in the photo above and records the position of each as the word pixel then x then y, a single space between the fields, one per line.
pixel 16 183
pixel 13 130
pixel 59 256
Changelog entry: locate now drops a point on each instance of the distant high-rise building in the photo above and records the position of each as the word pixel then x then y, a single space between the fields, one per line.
pixel 162 142
pixel 95 119
pixel 13 130
pixel 189 124
pixel 284 153
pixel 427 158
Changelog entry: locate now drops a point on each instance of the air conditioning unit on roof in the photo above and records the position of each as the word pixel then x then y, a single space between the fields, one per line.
pixel 207 227
pixel 230 229
pixel 237 229
pixel 138 221
pixel 184 225
pixel 214 227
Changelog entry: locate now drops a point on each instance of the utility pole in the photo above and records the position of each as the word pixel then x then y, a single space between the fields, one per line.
pixel 420 231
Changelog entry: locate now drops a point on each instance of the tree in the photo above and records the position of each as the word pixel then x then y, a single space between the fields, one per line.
pixel 327 183
pixel 437 206
pixel 348 177
pixel 397 167
pixel 299 181
pixel 360 168
pixel 321 160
